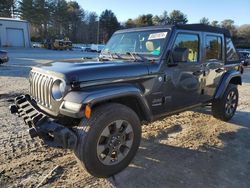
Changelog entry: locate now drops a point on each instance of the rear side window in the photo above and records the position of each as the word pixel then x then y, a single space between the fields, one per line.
pixel 191 42
pixel 213 48
pixel 231 51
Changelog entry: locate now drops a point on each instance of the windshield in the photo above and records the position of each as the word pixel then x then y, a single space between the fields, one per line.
pixel 146 43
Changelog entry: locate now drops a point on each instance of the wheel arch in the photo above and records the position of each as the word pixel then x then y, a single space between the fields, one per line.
pixel 236 80
pixel 231 77
pixel 132 102
pixel 127 95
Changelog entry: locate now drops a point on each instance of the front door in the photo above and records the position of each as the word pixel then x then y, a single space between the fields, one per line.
pixel 183 82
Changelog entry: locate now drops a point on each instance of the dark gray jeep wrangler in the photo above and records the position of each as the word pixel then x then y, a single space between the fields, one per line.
pixel 96 108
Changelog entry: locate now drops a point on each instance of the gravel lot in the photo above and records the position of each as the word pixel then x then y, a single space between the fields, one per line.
pixel 191 149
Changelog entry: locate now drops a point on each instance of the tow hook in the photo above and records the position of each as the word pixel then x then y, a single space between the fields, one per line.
pixel 13 109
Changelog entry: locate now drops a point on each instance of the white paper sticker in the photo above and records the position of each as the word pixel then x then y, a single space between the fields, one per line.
pixel 154 36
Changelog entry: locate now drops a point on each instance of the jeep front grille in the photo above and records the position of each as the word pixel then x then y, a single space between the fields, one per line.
pixel 40 88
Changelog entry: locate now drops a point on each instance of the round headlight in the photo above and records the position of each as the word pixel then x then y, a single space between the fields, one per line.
pixel 58 89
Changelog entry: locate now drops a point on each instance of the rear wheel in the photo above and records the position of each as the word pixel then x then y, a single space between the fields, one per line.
pixel 109 140
pixel 225 107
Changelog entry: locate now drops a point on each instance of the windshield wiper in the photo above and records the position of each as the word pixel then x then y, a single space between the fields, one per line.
pixel 120 57
pixel 111 56
pixel 134 55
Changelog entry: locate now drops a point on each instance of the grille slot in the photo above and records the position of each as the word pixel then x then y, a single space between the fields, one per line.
pixel 40 88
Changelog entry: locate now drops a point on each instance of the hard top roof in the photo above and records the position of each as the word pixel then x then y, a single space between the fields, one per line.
pixel 244 51
pixel 192 27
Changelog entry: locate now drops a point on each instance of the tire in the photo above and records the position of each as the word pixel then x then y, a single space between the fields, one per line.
pixel 90 139
pixel 225 107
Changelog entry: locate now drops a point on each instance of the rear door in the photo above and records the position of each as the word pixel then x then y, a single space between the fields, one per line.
pixel 212 64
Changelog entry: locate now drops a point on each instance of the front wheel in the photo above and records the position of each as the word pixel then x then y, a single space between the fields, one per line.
pixel 109 140
pixel 225 107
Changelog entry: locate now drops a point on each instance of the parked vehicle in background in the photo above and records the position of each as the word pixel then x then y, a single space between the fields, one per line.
pixel 58 44
pixel 86 49
pixel 48 44
pixel 79 47
pixel 93 48
pixel 244 57
pixel 100 48
pixel 96 108
pixel 97 47
pixel 36 45
pixel 3 56
pixel 68 44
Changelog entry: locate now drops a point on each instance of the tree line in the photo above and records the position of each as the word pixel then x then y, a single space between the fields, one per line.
pixel 240 34
pixel 61 18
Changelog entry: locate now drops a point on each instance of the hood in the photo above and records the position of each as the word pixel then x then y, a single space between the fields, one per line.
pixel 92 71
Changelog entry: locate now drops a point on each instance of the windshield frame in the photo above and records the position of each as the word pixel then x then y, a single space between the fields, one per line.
pixel 149 56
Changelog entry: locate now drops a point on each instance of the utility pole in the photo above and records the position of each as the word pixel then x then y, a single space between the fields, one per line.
pixel 98 31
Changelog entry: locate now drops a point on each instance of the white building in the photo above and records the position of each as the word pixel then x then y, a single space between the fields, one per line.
pixel 14 33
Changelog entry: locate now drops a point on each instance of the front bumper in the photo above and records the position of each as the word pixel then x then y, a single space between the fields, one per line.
pixel 42 126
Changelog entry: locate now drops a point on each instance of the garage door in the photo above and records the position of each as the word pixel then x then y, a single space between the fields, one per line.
pixel 15 37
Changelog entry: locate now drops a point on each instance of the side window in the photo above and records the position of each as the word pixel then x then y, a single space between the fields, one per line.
pixel 231 51
pixel 189 41
pixel 213 48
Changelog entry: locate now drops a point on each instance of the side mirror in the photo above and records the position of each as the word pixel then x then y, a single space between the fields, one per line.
pixel 180 55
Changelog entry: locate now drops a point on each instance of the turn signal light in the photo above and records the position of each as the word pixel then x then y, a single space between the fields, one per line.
pixel 87 111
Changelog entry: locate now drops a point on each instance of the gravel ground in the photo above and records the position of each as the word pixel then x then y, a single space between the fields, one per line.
pixel 191 149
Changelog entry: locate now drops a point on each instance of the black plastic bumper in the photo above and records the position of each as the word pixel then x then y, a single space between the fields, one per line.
pixel 40 125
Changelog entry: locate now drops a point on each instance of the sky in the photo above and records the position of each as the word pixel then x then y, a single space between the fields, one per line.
pixel 237 10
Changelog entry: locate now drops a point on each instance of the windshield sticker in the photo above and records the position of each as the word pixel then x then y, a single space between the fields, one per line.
pixel 155 36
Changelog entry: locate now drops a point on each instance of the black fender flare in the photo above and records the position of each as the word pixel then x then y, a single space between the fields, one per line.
pixel 105 93
pixel 227 77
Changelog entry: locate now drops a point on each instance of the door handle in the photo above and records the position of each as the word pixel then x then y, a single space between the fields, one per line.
pixel 198 73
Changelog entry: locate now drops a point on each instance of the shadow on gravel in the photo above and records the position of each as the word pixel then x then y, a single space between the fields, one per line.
pixel 238 119
pixel 161 165
pixel 9 97
pixel 165 133
pixel 241 118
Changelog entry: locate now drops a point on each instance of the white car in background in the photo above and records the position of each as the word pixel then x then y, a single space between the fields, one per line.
pixel 36 45
pixel 97 47
pixel 93 48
